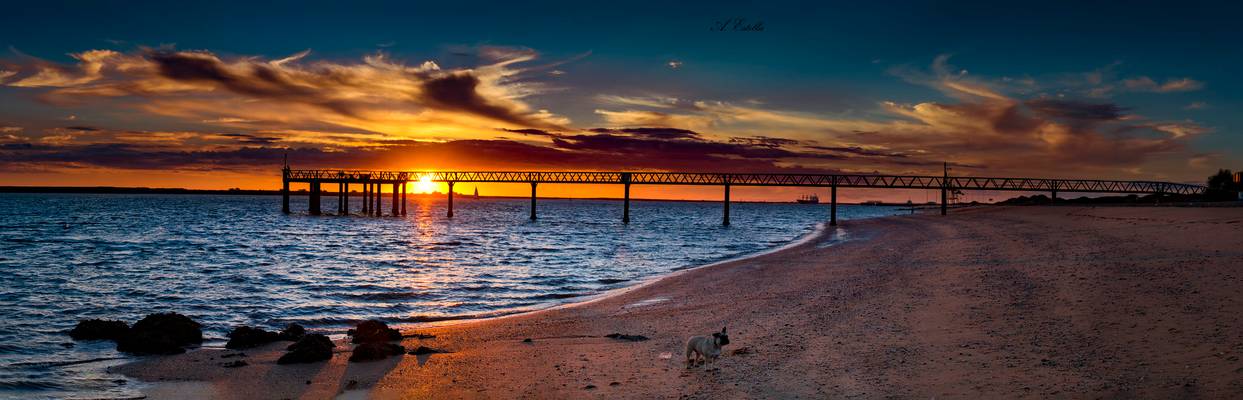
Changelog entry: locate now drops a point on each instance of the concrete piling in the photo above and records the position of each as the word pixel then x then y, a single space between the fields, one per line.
pixel 625 177
pixel 313 203
pixel 833 204
pixel 450 208
pixel 532 201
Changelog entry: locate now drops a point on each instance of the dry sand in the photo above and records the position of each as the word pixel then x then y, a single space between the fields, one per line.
pixel 1030 302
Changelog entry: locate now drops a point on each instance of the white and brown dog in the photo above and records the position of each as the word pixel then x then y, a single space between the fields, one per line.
pixel 705 348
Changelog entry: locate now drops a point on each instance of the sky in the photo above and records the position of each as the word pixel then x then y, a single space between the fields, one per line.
pixel 215 94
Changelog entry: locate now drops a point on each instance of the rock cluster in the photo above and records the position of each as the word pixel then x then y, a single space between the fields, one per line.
pixel 245 337
pixel 99 329
pixel 371 331
pixel 373 339
pixel 161 333
pixel 312 347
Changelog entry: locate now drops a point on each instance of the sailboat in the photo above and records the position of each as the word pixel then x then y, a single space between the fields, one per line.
pixel 476 193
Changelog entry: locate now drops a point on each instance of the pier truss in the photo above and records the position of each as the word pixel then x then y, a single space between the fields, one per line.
pixel 371 181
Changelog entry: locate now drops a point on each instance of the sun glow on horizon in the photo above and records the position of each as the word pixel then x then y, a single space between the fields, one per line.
pixel 425 185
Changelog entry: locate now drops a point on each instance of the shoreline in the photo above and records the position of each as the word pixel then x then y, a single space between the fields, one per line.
pixel 970 305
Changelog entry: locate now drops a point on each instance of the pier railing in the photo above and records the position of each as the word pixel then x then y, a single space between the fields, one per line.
pixel 371 181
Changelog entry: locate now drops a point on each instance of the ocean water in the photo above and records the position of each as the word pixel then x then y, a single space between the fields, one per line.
pixel 232 260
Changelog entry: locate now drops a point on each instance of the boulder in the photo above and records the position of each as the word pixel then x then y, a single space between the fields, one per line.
pixel 99 329
pixel 373 351
pixel 311 348
pixel 421 350
pixel 162 333
pixel 292 332
pixel 245 337
pixel 373 331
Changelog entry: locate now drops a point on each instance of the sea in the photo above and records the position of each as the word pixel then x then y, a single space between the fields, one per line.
pixel 229 260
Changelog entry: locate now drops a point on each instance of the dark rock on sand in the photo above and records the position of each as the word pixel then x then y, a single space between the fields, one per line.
pixel 419 336
pixel 426 350
pixel 99 329
pixel 245 337
pixel 292 332
pixel 163 333
pixel 234 364
pixel 373 331
pixel 628 338
pixel 375 351
pixel 311 348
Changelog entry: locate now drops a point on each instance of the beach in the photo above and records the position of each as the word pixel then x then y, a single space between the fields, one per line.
pixel 988 302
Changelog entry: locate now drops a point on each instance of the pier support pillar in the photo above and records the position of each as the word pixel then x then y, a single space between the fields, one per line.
pixel 285 196
pixel 403 199
pixel 396 202
pixel 944 197
pixel 626 206
pixel 626 198
pixel 341 198
pixel 313 203
pixel 366 208
pixel 378 191
pixel 725 221
pixel 1053 199
pixel 833 204
pixel 532 201
pixel 345 197
pixel 450 213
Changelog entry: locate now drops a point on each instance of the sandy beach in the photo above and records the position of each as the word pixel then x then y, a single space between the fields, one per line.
pixel 991 302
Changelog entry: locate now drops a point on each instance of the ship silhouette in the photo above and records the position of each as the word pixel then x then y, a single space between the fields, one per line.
pixel 809 199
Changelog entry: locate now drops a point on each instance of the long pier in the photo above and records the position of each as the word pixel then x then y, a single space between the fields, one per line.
pixel 373 181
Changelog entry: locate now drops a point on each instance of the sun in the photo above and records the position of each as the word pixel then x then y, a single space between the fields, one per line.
pixel 425 185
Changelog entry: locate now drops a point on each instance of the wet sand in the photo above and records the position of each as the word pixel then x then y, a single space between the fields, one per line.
pixel 994 302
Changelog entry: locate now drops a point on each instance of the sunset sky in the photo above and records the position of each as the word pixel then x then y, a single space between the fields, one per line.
pixel 212 95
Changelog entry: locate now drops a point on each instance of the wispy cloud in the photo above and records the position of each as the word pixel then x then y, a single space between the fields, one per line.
pixel 377 93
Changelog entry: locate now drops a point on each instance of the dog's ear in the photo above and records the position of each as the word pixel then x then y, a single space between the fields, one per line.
pixel 722 330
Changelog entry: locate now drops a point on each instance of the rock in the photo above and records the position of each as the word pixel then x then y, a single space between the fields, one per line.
pixel 311 348
pixel 163 333
pixel 742 351
pixel 99 329
pixel 420 336
pixel 292 332
pixel 373 331
pixel 245 337
pixel 426 350
pixel 234 364
pixel 527 340
pixel 375 351
pixel 628 338
pixel 589 387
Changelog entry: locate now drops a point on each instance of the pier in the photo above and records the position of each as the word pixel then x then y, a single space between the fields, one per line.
pixel 372 183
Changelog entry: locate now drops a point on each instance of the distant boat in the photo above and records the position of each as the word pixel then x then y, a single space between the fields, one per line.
pixel 873 203
pixel 809 199
pixel 476 193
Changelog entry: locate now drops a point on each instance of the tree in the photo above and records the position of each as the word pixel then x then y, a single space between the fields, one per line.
pixel 1221 186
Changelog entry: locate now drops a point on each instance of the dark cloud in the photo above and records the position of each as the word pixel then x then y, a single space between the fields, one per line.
pixel 764 141
pixel 858 151
pixel 256 80
pixel 82 128
pixel 459 91
pixel 1076 110
pixel 531 131
pixel 652 132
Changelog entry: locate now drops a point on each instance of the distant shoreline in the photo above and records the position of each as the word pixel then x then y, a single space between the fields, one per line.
pixel 259 192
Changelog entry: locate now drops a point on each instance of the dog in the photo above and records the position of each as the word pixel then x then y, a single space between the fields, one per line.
pixel 705 348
